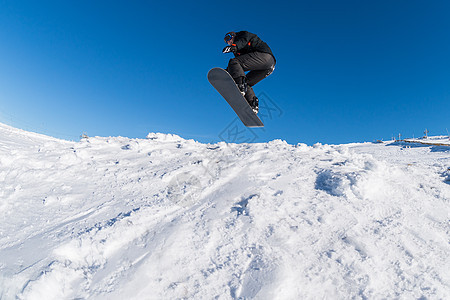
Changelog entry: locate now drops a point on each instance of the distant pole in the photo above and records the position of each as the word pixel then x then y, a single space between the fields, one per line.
pixel 426 133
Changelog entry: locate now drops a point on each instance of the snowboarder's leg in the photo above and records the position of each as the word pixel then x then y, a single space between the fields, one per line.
pixel 250 93
pixel 237 72
pixel 253 77
pixel 252 99
pixel 260 66
pixel 265 68
pixel 235 68
pixel 249 62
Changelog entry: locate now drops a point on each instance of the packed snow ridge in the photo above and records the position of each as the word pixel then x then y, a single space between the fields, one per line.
pixel 169 218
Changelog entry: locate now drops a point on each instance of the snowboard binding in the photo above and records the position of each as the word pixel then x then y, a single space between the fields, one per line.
pixel 242 85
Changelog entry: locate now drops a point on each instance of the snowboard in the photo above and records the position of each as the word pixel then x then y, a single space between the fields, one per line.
pixel 222 81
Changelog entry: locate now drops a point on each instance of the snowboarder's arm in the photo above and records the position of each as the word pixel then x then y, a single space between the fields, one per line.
pixel 229 49
pixel 242 40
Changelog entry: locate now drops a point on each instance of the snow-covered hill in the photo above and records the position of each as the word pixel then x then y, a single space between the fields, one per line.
pixel 435 140
pixel 168 218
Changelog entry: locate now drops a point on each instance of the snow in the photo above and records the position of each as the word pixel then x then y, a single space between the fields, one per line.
pixel 435 140
pixel 169 218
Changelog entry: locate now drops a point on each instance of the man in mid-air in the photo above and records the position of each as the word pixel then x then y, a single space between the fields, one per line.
pixel 251 54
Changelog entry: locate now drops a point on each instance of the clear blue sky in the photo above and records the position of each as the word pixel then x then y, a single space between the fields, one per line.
pixel 347 71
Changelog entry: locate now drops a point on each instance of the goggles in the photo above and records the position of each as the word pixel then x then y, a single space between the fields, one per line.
pixel 228 37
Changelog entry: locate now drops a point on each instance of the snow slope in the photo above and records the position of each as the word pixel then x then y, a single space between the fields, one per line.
pixel 436 140
pixel 168 218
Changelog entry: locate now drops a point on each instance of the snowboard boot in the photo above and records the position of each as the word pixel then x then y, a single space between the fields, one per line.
pixel 242 84
pixel 254 104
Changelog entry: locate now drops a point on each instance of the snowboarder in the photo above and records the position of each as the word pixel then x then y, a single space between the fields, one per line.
pixel 251 54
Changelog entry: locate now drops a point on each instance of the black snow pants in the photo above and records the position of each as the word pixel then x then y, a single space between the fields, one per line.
pixel 259 64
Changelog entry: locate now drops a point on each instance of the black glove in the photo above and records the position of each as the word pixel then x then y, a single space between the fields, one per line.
pixel 229 49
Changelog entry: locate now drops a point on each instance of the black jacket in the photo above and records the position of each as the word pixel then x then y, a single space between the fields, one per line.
pixel 247 42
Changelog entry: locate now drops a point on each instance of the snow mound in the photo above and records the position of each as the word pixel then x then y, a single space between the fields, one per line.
pixel 164 137
pixel 169 218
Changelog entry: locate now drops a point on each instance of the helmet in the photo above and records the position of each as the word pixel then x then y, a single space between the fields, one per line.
pixel 230 35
